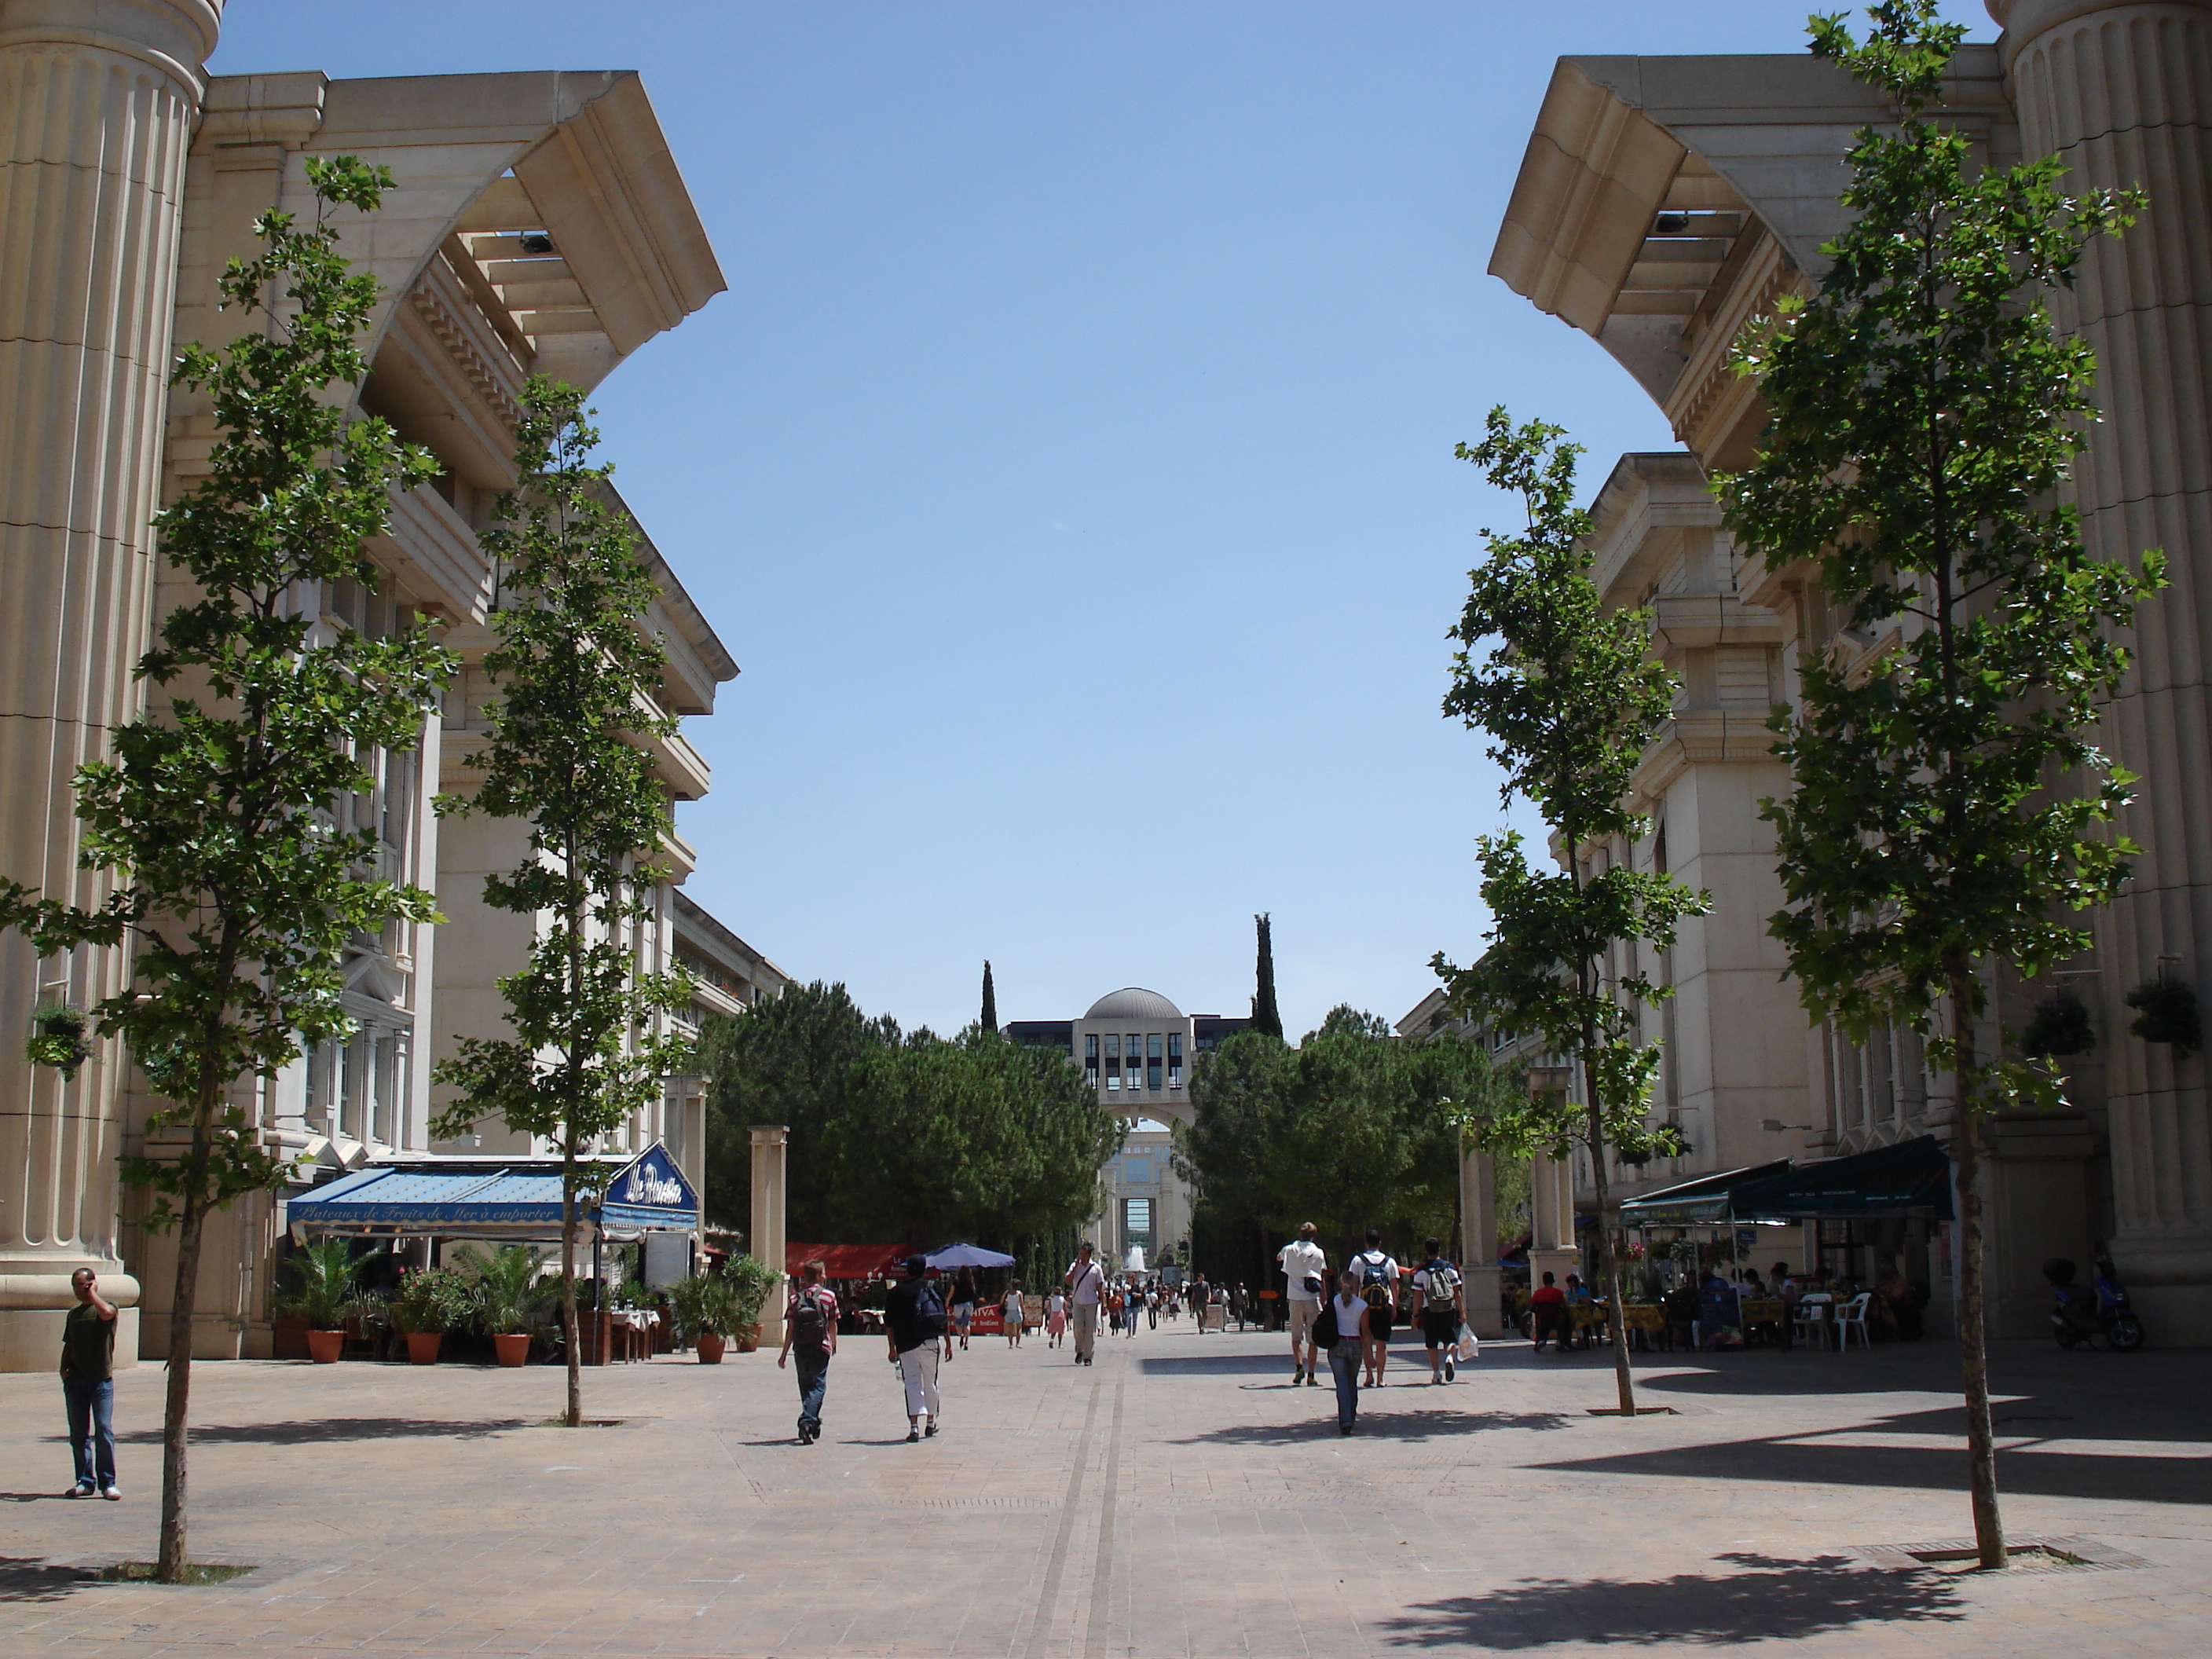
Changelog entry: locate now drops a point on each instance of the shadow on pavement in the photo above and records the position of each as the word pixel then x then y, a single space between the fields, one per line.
pixel 1776 1599
pixel 1217 1364
pixel 1376 1424
pixel 24 1578
pixel 319 1430
pixel 1934 1467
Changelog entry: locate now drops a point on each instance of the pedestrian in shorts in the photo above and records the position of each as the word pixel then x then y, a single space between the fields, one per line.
pixel 1442 1310
pixel 1305 1265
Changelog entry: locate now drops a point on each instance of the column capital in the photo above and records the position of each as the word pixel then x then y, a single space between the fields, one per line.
pixel 173 36
pixel 2024 21
pixel 769 1134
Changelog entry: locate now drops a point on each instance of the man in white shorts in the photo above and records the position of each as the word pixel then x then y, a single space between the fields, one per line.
pixel 1305 1265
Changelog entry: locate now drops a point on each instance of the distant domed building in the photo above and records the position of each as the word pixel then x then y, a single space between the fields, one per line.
pixel 1136 1048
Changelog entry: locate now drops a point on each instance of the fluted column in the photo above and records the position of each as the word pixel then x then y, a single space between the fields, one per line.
pixel 2123 94
pixel 97 101
pixel 767 1241
pixel 1478 1241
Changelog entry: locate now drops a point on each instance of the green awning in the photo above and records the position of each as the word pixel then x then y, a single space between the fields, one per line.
pixel 1911 1179
pixel 1697 1203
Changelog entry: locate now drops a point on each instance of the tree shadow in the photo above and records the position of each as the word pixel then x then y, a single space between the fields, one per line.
pixel 323 1430
pixel 1414 1425
pixel 1214 1365
pixel 27 1578
pixel 1776 1598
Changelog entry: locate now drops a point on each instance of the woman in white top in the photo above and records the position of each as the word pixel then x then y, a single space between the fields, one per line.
pixel 1345 1354
pixel 1055 1318
pixel 1010 1310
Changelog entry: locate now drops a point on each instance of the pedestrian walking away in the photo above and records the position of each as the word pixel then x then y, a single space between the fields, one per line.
pixel 1086 1288
pixel 918 1327
pixel 1305 1265
pixel 964 1303
pixel 1055 1318
pixel 89 1386
pixel 1151 1307
pixel 1442 1310
pixel 810 1338
pixel 1378 1288
pixel 1346 1326
pixel 1009 1313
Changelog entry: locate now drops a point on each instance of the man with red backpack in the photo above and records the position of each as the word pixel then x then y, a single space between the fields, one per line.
pixel 809 1330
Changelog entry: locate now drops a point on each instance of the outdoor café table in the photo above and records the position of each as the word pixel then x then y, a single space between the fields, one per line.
pixel 1643 1321
pixel 1586 1320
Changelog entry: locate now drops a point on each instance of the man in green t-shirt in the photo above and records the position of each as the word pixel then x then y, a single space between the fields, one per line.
pixel 89 1386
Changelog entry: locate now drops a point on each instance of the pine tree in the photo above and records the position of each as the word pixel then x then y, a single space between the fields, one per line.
pixel 990 999
pixel 1266 1017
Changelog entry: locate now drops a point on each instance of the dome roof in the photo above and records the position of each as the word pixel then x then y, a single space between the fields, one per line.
pixel 1133 1002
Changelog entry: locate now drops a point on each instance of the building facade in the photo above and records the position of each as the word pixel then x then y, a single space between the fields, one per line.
pixel 1136 1049
pixel 1663 203
pixel 538 224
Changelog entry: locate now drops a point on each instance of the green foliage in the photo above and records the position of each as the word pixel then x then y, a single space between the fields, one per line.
pixel 990 1020
pixel 1265 1016
pixel 2166 1013
pixel 214 817
pixel 578 681
pixel 703 1303
pixel 747 1283
pixel 432 1300
pixel 58 1038
pixel 1924 414
pixel 902 1137
pixel 325 1277
pixel 506 1294
pixel 1353 1128
pixel 1563 689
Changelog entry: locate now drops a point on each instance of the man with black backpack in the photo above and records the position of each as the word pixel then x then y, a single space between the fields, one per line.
pixel 914 1322
pixel 810 1331
pixel 1443 1310
pixel 1378 1288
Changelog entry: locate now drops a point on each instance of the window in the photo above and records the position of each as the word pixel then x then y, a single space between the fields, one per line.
pixel 1113 1060
pixel 1152 1045
pixel 1174 1060
pixel 1136 1060
pixel 1137 1222
pixel 1090 1058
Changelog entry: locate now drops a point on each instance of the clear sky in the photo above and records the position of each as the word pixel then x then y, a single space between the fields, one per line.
pixel 1070 464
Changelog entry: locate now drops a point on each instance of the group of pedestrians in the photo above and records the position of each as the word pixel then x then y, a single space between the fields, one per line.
pixel 1353 1323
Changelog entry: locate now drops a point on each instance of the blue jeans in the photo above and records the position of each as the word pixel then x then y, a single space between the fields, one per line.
pixel 1344 1365
pixel 812 1365
pixel 91 1429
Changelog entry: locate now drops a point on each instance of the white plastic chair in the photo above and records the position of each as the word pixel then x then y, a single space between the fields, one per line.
pixel 1852 1316
pixel 1811 1322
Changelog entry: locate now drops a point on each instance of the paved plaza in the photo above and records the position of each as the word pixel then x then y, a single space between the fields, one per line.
pixel 1179 1497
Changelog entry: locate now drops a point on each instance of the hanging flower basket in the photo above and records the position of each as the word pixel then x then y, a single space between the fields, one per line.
pixel 2060 1026
pixel 58 1038
pixel 2168 1014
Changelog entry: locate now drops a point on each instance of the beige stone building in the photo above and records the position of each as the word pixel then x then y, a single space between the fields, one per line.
pixel 539 224
pixel 1661 203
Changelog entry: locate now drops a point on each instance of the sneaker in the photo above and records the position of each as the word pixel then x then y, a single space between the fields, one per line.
pixel 1298 1375
pixel 1343 1428
pixel 1450 1370
pixel 913 1437
pixel 112 1494
pixel 82 1489
pixel 930 1433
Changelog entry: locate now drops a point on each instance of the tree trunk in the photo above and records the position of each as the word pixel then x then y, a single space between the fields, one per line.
pixel 176 1406
pixel 569 1286
pixel 1974 1326
pixel 1608 1271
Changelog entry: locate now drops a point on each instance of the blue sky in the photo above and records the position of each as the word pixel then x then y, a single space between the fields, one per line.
pixel 1070 464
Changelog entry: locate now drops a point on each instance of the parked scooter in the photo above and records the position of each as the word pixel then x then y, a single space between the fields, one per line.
pixel 2083 1315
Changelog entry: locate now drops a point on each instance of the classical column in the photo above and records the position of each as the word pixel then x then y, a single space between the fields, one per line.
pixel 1478 1241
pixel 2123 94
pixel 1552 1220
pixel 99 97
pixel 767 1241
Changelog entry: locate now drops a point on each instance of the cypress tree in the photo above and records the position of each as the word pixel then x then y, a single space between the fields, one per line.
pixel 1266 1017
pixel 990 999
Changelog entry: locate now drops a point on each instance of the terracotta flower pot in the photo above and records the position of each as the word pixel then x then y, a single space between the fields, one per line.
pixel 324 1347
pixel 710 1345
pixel 748 1340
pixel 514 1346
pixel 422 1347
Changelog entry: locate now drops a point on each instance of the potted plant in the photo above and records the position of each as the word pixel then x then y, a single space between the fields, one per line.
pixel 508 1298
pixel 59 1038
pixel 751 1281
pixel 707 1308
pixel 325 1277
pixel 2168 1014
pixel 430 1301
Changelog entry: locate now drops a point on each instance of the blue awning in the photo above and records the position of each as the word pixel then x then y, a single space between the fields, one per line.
pixel 646 1193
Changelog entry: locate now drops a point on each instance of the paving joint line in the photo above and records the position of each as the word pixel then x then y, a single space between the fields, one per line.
pixel 1102 1575
pixel 1041 1619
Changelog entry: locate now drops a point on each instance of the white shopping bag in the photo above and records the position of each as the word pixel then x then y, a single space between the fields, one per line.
pixel 1469 1347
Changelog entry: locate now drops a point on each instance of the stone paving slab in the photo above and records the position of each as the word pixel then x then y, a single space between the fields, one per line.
pixel 1177 1498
